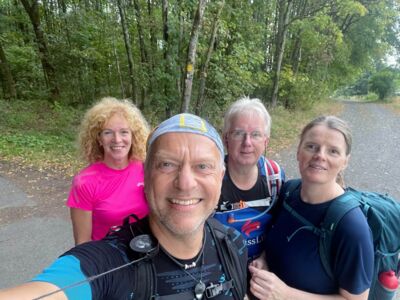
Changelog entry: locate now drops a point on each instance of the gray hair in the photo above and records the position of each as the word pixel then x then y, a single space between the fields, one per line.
pixel 245 106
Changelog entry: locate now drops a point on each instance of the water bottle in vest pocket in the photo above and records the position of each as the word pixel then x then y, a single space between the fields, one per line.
pixel 387 287
pixel 251 223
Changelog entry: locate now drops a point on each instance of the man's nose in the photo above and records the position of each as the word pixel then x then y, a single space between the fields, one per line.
pixel 247 138
pixel 186 178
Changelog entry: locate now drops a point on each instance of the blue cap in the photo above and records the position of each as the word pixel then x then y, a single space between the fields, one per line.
pixel 187 123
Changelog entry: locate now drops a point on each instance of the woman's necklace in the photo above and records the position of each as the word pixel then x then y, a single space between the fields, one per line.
pixel 200 287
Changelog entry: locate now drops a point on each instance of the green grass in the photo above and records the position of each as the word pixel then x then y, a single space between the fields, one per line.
pixel 287 124
pixel 40 135
pixel 394 104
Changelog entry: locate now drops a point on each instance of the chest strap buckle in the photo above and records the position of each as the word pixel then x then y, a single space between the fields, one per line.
pixel 215 289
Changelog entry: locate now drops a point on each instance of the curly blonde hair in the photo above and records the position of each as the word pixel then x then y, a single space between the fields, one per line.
pixel 93 123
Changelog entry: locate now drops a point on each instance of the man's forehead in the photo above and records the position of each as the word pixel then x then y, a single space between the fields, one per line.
pixel 252 115
pixel 189 124
pixel 184 148
pixel 173 141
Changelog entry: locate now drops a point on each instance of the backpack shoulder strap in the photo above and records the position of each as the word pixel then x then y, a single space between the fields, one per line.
pixel 336 211
pixel 226 166
pixel 144 285
pixel 338 208
pixel 289 187
pixel 232 251
pixel 274 174
pixel 287 190
pixel 145 280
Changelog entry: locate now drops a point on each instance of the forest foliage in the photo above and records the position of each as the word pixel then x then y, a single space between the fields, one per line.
pixel 184 55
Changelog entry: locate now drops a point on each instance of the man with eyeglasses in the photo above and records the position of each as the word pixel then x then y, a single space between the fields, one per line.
pixel 251 183
pixel 177 252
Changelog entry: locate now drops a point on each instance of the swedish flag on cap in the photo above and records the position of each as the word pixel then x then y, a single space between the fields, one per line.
pixel 190 124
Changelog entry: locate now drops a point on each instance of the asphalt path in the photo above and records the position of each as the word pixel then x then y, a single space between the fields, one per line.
pixel 28 245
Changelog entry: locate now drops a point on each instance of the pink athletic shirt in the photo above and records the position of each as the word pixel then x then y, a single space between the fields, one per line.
pixel 109 194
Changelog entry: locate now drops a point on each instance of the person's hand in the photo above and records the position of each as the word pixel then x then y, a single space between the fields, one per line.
pixel 260 262
pixel 266 285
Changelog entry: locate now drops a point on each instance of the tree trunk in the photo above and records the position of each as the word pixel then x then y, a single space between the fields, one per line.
pixel 48 69
pixel 121 82
pixel 48 8
pixel 204 68
pixel 268 39
pixel 62 6
pixel 296 54
pixel 153 34
pixel 180 82
pixel 127 41
pixel 21 25
pixel 191 57
pixel 166 86
pixel 7 80
pixel 143 52
pixel 283 21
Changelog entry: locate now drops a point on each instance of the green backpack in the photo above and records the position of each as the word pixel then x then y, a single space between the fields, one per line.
pixel 383 217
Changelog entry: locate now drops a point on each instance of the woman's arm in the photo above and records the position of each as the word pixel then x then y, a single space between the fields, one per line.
pixel 32 290
pixel 82 225
pixel 267 286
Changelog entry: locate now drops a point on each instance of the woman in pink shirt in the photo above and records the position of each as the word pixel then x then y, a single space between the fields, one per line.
pixel 112 139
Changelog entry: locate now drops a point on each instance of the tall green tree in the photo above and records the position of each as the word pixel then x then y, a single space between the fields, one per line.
pixel 7 79
pixel 128 48
pixel 286 52
pixel 205 64
pixel 32 9
pixel 383 83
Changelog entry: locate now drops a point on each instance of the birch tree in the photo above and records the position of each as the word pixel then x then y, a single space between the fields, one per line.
pixel 204 67
pixel 191 57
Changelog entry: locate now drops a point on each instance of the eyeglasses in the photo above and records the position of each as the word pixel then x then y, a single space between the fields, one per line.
pixel 239 135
